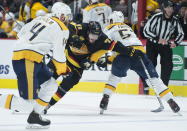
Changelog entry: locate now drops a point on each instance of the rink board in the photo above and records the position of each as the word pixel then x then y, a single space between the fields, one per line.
pixel 93 80
pixel 122 88
pixel 82 86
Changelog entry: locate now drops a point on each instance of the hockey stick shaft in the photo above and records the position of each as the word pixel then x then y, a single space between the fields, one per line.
pixel 149 78
pixel 9 15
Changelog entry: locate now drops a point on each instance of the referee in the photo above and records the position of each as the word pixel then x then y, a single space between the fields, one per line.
pixel 159 30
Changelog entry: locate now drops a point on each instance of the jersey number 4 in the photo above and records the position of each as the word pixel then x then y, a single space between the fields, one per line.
pixel 36 29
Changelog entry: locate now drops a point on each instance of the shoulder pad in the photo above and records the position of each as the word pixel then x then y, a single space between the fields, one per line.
pixel 112 25
pixel 75 27
pixel 60 23
pixel 89 7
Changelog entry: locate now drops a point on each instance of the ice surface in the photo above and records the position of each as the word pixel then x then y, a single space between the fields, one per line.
pixel 79 111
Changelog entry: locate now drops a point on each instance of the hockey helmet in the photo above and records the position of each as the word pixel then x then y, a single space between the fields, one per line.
pixel 1 15
pixel 92 1
pixel 60 8
pixel 94 31
pixel 76 41
pixel 94 28
pixel 9 16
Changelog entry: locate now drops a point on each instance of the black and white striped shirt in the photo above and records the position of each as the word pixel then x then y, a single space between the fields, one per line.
pixel 159 27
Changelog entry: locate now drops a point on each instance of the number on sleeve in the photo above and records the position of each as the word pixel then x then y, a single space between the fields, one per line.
pixel 36 29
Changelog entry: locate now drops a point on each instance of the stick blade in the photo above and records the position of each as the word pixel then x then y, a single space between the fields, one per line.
pixel 101 111
pixel 160 109
pixel 179 113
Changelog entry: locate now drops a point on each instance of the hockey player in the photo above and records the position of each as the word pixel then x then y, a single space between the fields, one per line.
pixel 119 31
pixel 96 11
pixel 35 82
pixel 81 51
pixel 29 9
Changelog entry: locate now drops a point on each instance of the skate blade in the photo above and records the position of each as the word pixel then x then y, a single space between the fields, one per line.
pixel 178 113
pixel 101 111
pixel 36 126
pixel 15 112
pixel 160 109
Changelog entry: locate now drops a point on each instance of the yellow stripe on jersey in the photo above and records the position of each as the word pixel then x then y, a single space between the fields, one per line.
pixel 163 93
pixel 61 67
pixel 141 48
pixel 89 7
pixel 111 58
pixel 95 56
pixel 30 78
pixel 75 26
pixel 8 101
pixel 27 54
pixel 41 102
pixel 56 97
pixel 110 87
pixel 112 25
pixel 60 23
pixel 71 60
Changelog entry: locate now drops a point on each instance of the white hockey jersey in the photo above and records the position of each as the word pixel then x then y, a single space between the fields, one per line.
pixel 97 12
pixel 39 37
pixel 123 33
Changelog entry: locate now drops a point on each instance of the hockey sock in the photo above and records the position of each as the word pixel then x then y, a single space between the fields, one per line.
pixel 12 102
pixel 56 97
pixel 159 87
pixel 110 87
pixel 5 101
pixel 47 90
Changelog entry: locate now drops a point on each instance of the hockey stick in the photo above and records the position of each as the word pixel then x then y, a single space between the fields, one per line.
pixel 161 108
pixel 9 15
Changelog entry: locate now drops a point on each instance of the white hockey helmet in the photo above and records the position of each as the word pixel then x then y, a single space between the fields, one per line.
pixel 92 1
pixel 9 16
pixel 1 15
pixel 116 16
pixel 60 8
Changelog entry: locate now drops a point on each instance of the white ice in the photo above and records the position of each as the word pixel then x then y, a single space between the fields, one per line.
pixel 79 111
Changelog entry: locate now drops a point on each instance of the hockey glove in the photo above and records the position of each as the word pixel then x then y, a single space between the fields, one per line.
pixel 52 69
pixel 76 41
pixel 134 53
pixel 86 64
pixel 129 51
pixel 103 61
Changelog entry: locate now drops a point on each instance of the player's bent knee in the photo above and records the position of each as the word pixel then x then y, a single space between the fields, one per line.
pixel 47 90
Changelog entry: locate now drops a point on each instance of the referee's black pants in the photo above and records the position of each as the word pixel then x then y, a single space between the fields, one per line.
pixel 166 54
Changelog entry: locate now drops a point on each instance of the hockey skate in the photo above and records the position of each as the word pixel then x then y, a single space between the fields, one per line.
pixel 35 121
pixel 104 103
pixel 173 105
